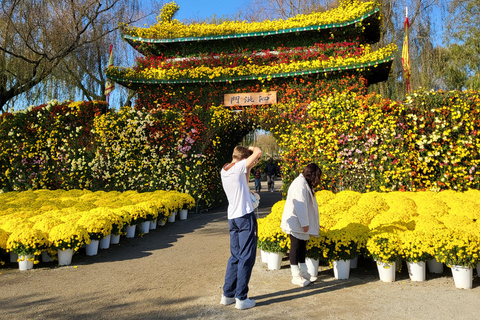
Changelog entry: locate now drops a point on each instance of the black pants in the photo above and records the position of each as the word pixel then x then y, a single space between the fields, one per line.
pixel 298 248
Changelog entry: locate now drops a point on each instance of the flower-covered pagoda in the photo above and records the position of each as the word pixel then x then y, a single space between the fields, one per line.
pixel 196 64
pixel 189 70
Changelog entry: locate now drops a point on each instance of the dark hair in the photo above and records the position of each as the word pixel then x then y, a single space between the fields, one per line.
pixel 313 175
pixel 240 153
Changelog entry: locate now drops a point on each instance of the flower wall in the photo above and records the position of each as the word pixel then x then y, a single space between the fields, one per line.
pixel 48 146
pixel 413 226
pixel 365 143
pixel 78 145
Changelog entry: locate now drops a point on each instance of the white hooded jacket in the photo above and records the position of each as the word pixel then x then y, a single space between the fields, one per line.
pixel 301 209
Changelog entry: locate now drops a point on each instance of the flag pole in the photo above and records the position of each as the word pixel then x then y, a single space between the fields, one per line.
pixel 109 85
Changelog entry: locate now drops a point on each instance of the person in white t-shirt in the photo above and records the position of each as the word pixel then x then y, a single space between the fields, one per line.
pixel 243 226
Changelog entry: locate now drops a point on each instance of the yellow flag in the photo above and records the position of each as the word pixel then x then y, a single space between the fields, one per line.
pixel 406 57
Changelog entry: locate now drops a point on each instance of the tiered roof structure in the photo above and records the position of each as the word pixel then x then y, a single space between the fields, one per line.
pixel 315 46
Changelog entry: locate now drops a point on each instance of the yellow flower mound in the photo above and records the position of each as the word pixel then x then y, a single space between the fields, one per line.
pixel 32 221
pixel 414 226
pixel 168 28
pixel 97 224
pixel 68 236
pixel 3 238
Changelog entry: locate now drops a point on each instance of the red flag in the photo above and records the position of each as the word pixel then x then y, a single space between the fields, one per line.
pixel 110 85
pixel 406 56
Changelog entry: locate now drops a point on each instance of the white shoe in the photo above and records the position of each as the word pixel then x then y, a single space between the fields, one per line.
pixel 304 272
pixel 227 301
pixel 299 281
pixel 244 304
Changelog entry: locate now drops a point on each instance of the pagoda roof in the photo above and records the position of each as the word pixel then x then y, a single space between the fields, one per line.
pixel 133 40
pixel 375 71
pixel 367 26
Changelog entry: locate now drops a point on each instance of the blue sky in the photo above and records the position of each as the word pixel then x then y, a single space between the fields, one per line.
pixel 195 9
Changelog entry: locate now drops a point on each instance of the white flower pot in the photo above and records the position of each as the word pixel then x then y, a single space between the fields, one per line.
pixel 434 266
pixel 65 257
pixel 91 249
pixel 145 226
pixel 115 239
pixel 153 224
pixel 416 270
pixel 25 262
pixel 131 231
pixel 183 214
pixel 341 269
pixel 264 256
pixel 462 276
pixel 172 217
pixel 161 222
pixel 274 260
pixel 386 271
pixel 105 242
pixel 312 266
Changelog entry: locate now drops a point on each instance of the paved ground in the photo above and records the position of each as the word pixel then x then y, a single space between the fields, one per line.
pixel 176 272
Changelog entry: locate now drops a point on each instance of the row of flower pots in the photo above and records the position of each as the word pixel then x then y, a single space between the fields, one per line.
pixel 64 257
pixel 462 276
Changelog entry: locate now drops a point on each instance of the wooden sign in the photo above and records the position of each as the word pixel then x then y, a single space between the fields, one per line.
pixel 249 99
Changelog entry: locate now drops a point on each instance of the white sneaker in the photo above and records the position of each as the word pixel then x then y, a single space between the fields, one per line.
pixel 227 301
pixel 304 272
pixel 299 281
pixel 244 304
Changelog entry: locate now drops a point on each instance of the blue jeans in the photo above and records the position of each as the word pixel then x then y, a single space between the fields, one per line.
pixel 258 184
pixel 243 249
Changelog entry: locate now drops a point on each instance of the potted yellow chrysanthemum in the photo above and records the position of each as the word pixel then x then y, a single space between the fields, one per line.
pixel 137 214
pixel 385 248
pixel 314 253
pixel 271 239
pixel 27 242
pixel 67 238
pixel 98 226
pixel 416 252
pixel 460 251
pixel 45 223
pixel 340 247
pixel 120 219
pixel 150 214
pixel 188 203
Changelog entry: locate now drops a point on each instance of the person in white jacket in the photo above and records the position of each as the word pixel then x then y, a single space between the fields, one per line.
pixel 300 220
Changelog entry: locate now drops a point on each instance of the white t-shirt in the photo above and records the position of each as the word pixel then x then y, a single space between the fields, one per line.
pixel 235 185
